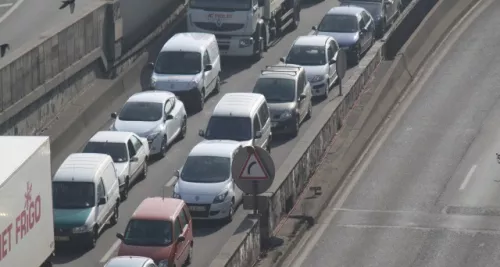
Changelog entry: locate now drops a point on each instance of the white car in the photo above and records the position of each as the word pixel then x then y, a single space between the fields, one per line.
pixel 317 54
pixel 128 151
pixel 156 115
pixel 205 182
pixel 130 261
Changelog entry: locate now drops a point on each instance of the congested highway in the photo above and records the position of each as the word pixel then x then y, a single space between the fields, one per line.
pixel 209 237
pixel 426 192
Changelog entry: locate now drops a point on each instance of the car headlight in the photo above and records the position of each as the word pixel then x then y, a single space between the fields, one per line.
pixel 221 197
pixel 81 229
pixel 176 195
pixel 152 136
pixel 286 114
pixel 163 263
pixel 246 42
pixel 317 78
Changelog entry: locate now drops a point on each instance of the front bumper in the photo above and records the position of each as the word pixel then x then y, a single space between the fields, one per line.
pixel 212 211
pixel 320 88
pixel 231 46
pixel 283 126
pixel 65 235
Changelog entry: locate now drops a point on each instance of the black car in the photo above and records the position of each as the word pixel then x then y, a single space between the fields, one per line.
pixel 384 12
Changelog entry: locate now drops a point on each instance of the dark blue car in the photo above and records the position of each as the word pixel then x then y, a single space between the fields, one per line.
pixel 352 27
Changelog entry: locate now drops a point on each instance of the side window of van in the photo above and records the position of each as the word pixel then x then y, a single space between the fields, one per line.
pixel 256 124
pixel 101 191
pixel 206 59
pixel 264 113
pixel 177 228
pixel 131 149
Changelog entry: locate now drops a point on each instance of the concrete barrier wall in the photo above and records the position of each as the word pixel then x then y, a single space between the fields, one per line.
pixel 37 80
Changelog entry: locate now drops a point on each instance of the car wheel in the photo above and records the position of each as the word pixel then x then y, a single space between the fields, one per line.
pixel 144 170
pixel 116 215
pixel 201 100
pixel 183 128
pixel 296 128
pixel 217 85
pixel 124 194
pixel 327 89
pixel 229 217
pixel 93 238
pixel 309 111
pixel 163 148
pixel 190 255
pixel 357 55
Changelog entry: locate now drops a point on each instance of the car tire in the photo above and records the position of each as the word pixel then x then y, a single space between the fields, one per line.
pixel 217 85
pixel 116 215
pixel 327 89
pixel 183 128
pixel 295 130
pixel 163 148
pixel 229 217
pixel 357 55
pixel 124 194
pixel 92 239
pixel 309 111
pixel 190 255
pixel 144 173
pixel 201 100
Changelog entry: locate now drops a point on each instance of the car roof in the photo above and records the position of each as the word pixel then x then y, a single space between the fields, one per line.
pixel 81 167
pixel 151 96
pixel 216 148
pixel 345 10
pixel 111 137
pixel 286 71
pixel 158 208
pixel 188 41
pixel 127 261
pixel 238 104
pixel 313 40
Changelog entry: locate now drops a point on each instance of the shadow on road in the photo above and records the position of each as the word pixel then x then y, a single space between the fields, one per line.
pixel 205 228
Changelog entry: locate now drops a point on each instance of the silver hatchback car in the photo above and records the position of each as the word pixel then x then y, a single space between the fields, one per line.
pixel 288 95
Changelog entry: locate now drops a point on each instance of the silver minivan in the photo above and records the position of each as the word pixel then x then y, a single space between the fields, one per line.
pixel 242 117
pixel 188 65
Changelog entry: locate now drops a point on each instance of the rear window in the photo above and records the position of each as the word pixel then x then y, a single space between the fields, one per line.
pixel 149 233
pixel 229 128
pixel 117 151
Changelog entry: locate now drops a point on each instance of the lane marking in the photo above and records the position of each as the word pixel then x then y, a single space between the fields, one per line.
pixel 171 182
pixel 6 5
pixel 111 250
pixel 309 241
pixel 12 9
pixel 468 177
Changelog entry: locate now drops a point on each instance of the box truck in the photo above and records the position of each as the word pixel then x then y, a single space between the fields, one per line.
pixel 26 216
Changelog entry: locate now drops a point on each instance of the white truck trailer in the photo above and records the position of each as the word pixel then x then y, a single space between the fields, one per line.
pixel 243 27
pixel 26 216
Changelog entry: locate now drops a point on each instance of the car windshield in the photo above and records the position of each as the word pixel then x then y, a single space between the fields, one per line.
pixel 178 62
pixel 307 55
pixel 73 195
pixel 229 128
pixel 117 151
pixel 276 90
pixel 206 169
pixel 222 5
pixel 141 111
pixel 148 233
pixel 373 7
pixel 338 23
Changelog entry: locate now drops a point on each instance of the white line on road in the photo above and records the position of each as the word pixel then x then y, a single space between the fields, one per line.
pixel 468 177
pixel 171 182
pixel 6 5
pixel 111 250
pixel 14 7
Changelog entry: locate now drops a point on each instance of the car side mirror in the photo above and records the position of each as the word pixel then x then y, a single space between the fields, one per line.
pixel 114 115
pixel 258 134
pixel 302 97
pixel 134 159
pixel 169 117
pixel 177 173
pixel 314 28
pixel 208 67
pixel 181 238
pixel 364 30
pixel 151 64
pixel 201 133
pixel 332 61
pixel 120 236
pixel 282 59
pixel 102 201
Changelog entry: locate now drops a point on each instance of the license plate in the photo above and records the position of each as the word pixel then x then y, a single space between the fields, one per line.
pixel 61 238
pixel 197 208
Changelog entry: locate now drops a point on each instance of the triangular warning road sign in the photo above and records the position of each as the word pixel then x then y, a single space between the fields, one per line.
pixel 253 169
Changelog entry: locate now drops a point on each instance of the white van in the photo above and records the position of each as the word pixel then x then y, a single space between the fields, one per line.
pixel 188 65
pixel 86 196
pixel 242 117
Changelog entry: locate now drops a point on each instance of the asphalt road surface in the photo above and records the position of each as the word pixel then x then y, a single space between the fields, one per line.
pixel 427 192
pixel 22 21
pixel 209 237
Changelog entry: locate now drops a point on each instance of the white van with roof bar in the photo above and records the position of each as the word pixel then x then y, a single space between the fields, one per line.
pixel 188 65
pixel 242 117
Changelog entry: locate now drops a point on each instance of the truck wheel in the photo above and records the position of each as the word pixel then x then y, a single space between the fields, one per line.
pixel 116 215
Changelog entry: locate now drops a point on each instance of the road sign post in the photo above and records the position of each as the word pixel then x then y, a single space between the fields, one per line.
pixel 341 67
pixel 253 171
